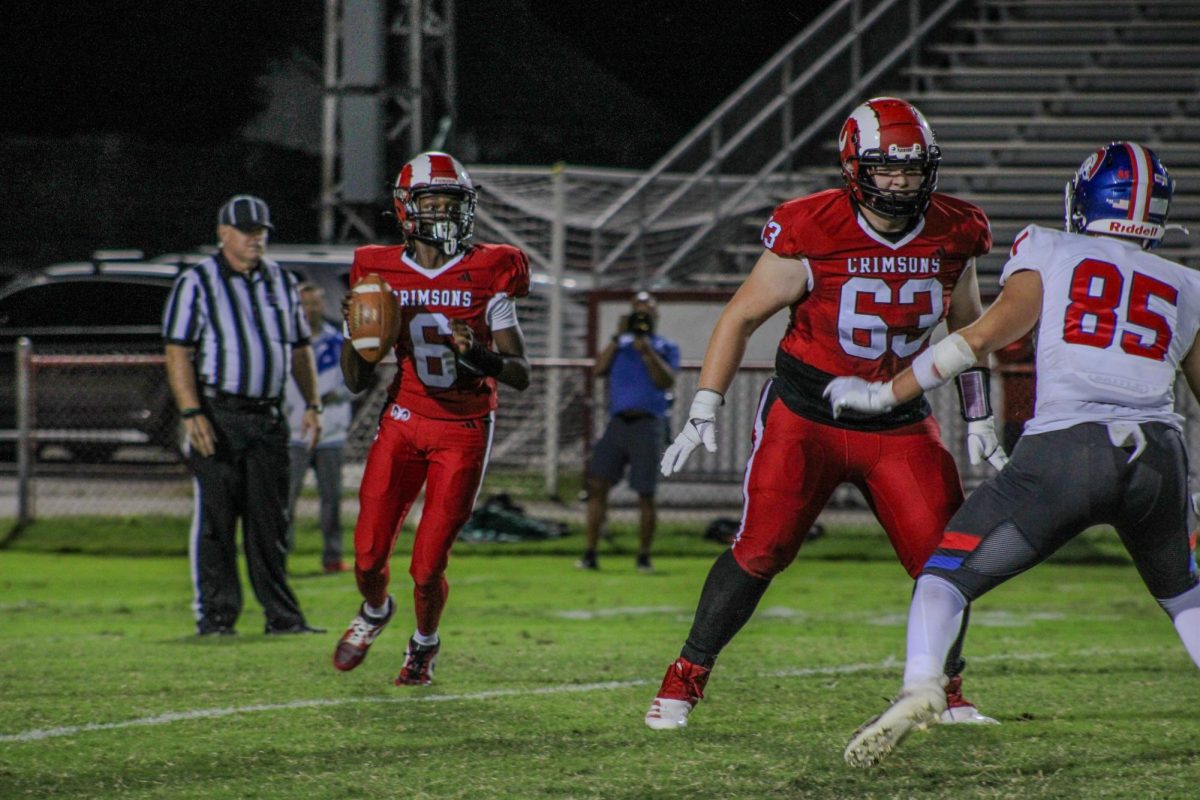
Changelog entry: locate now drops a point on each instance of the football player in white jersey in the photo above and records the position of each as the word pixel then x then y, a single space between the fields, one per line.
pixel 1114 325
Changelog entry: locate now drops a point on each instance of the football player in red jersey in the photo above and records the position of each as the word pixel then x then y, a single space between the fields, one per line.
pixel 868 271
pixel 459 336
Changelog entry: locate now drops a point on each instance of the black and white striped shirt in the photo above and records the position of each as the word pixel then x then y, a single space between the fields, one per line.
pixel 243 327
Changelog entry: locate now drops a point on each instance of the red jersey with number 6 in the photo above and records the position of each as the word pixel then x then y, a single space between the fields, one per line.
pixel 477 286
pixel 871 302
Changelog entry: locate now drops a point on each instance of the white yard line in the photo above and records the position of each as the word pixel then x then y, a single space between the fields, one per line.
pixel 888 664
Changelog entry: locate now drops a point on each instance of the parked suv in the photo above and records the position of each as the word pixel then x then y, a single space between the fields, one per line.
pixel 112 308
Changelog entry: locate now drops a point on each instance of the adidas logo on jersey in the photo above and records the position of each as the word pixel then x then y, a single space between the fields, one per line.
pixel 434 297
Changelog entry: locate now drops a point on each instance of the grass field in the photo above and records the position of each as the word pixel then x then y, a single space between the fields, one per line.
pixel 546 672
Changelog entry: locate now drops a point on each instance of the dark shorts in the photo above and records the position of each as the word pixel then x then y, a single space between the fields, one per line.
pixel 638 443
pixel 1062 482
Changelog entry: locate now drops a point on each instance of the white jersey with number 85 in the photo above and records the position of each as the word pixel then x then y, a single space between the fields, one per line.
pixel 1116 322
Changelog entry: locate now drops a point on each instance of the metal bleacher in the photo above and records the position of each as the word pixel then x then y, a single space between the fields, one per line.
pixel 1027 88
pixel 1019 93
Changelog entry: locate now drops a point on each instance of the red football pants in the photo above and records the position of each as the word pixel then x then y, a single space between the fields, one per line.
pixel 449 457
pixel 909 479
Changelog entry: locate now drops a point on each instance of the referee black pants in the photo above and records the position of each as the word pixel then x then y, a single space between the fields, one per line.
pixel 246 479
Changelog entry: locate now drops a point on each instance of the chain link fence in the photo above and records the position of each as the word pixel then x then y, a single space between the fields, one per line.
pixel 102 439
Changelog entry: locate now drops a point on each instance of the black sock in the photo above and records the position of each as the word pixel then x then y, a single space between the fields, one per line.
pixel 727 602
pixel 955 663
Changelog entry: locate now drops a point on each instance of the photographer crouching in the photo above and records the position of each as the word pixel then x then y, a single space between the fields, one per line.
pixel 640 366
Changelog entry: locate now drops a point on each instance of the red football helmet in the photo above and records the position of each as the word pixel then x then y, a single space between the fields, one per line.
pixel 436 173
pixel 888 131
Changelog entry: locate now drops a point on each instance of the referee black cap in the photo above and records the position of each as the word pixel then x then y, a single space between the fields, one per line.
pixel 246 213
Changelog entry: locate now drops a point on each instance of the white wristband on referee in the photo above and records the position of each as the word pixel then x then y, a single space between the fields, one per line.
pixel 940 363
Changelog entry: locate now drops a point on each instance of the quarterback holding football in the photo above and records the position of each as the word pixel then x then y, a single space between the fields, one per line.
pixel 457 336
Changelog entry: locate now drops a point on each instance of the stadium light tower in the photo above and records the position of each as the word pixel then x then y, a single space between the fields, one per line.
pixel 389 73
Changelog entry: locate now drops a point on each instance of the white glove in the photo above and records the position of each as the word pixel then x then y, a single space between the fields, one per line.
pixel 701 428
pixel 982 443
pixel 857 394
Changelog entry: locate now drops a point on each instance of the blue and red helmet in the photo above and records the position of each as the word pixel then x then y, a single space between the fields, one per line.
pixel 1122 189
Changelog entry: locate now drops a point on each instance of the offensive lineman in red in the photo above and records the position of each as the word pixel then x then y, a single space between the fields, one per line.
pixel 868 271
pixel 457 300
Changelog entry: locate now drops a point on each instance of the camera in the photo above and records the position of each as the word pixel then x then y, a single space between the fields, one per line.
pixel 639 323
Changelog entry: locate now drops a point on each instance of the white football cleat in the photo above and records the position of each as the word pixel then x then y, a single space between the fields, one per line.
pixel 666 714
pixel 915 709
pixel 961 711
pixel 681 689
pixel 966 715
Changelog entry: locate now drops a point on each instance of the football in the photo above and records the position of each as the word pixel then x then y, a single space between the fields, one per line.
pixel 374 322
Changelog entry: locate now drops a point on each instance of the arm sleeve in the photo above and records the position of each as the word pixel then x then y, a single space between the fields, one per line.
pixel 1023 254
pixel 672 356
pixel 985 237
pixel 183 315
pixel 501 312
pixel 303 332
pixel 517 284
pixel 779 235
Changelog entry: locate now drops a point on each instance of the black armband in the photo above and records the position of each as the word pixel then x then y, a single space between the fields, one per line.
pixel 975 393
pixel 480 361
pixel 188 413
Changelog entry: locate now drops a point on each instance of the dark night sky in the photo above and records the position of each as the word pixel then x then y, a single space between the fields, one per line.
pixel 183 70
pixel 124 119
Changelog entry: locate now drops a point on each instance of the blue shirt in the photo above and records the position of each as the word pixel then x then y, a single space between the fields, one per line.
pixel 630 387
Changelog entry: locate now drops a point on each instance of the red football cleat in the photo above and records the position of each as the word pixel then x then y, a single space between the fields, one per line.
pixel 419 661
pixel 682 688
pixel 352 647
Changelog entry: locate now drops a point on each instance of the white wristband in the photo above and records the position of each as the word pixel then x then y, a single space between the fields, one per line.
pixel 705 404
pixel 942 362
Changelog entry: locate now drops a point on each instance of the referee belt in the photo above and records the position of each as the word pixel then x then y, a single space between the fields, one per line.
pixel 239 402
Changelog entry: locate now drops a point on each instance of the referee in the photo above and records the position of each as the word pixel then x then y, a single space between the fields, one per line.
pixel 234 332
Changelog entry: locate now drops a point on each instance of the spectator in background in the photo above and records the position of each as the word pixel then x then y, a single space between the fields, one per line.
pixel 235 333
pixel 640 366
pixel 326 458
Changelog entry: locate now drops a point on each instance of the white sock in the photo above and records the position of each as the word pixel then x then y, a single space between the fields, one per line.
pixel 377 613
pixel 933 622
pixel 1187 623
pixel 425 641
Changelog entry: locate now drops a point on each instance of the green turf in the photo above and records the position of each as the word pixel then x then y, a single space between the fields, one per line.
pixel 1096 696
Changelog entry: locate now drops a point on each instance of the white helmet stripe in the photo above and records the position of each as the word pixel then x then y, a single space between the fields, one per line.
pixel 868 127
pixel 1143 183
pixel 422 169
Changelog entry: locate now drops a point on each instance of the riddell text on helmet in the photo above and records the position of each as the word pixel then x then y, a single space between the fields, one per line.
pixel 1116 226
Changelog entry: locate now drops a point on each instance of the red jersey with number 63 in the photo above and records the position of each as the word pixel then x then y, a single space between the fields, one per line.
pixel 871 303
pixel 477 286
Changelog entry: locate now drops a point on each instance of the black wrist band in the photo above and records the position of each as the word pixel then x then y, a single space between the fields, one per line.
pixel 188 413
pixel 317 407
pixel 975 394
pixel 481 361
